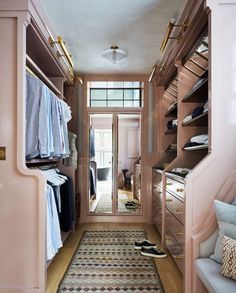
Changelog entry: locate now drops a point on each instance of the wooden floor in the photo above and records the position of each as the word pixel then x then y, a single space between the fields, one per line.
pixel 170 276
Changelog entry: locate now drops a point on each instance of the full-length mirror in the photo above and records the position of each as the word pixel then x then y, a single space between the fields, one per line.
pixel 129 164
pixel 100 163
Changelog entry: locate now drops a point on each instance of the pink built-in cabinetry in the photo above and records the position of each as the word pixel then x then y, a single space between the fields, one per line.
pixel 200 65
pixel 24 35
pixel 24 29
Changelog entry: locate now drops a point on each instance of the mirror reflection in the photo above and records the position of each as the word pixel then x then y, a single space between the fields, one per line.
pixel 100 163
pixel 129 164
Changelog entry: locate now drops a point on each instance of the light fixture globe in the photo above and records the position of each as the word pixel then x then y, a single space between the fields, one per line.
pixel 115 55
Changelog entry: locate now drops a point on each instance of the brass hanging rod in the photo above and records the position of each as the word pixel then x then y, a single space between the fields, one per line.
pixel 154 68
pixel 63 47
pixel 32 68
pixel 169 29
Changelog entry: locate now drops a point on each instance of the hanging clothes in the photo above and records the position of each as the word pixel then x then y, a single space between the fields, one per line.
pixel 67 213
pixel 46 121
pixel 54 241
pixel 91 143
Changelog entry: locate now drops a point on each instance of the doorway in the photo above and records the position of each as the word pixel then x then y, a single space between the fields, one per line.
pixel 114 164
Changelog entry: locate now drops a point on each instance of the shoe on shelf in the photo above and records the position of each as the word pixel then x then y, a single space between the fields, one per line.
pixel 153 252
pixel 145 244
pixel 131 205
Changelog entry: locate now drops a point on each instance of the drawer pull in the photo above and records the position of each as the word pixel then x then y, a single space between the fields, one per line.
pixel 179 233
pixel 179 189
pixel 179 210
pixel 178 257
pixel 169 183
pixel 169 200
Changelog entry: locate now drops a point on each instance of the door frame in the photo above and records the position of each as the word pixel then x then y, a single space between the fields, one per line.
pixel 114 217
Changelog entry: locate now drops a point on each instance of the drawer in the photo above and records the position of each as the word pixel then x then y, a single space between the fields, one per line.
pixel 176 206
pixel 157 192
pixel 175 227
pixel 175 250
pixel 175 187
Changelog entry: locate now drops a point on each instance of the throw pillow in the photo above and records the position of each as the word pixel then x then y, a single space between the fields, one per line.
pixel 226 217
pixel 229 258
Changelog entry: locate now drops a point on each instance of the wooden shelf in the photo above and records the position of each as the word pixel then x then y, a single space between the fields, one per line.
pixel 199 92
pixel 201 120
pixel 196 148
pixel 171 131
pixel 172 112
pixel 43 161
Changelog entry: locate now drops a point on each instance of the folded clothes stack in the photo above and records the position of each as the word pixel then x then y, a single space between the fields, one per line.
pixel 171 124
pixel 196 112
pixel 202 138
pixel 172 147
pixel 197 140
pixel 172 106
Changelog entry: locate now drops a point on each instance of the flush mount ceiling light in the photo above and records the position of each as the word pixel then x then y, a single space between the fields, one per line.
pixel 115 55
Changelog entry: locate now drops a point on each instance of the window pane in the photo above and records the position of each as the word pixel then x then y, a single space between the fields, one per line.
pixel 128 94
pixel 136 104
pixel 115 84
pixel 115 103
pixel 107 159
pixel 98 84
pixel 128 103
pixel 115 94
pixel 98 104
pixel 108 140
pixel 132 84
pixel 98 158
pixel 97 141
pixel 98 94
pixel 136 94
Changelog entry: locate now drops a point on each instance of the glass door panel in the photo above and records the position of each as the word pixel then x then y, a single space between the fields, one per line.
pixel 128 177
pixel 100 164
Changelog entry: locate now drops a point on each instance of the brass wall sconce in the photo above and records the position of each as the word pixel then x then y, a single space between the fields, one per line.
pixel 80 79
pixel 64 50
pixel 169 29
pixel 154 68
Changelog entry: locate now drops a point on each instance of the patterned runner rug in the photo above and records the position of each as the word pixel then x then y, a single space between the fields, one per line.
pixel 106 261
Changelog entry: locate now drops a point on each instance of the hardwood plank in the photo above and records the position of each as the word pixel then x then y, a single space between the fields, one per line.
pixel 169 273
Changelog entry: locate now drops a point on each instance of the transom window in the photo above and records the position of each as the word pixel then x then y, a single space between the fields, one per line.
pixel 115 94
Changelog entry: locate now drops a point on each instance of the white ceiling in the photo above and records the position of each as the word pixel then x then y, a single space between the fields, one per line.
pixel 91 26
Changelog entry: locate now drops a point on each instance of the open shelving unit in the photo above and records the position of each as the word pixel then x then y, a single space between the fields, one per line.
pixel 190 96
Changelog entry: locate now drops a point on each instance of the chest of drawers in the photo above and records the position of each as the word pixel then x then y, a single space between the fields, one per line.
pixel 175 219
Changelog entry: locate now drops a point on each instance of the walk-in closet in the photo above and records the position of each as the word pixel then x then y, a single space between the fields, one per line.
pixel 117 146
